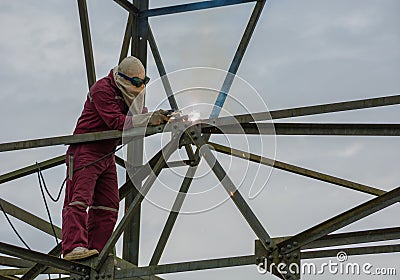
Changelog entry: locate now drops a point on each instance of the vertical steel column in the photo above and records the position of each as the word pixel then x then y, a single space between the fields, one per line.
pixel 87 42
pixel 135 150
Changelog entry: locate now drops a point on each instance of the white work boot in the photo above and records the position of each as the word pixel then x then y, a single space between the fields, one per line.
pixel 80 253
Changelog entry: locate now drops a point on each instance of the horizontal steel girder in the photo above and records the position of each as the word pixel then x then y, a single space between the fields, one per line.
pixel 333 129
pixel 39 268
pixel 279 114
pixel 351 251
pixel 190 7
pixel 348 238
pixel 185 266
pixel 45 259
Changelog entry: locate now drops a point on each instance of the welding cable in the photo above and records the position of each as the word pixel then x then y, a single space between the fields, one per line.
pixel 101 158
pixel 75 170
pixel 42 185
pixel 47 190
pixel 39 172
pixel 12 226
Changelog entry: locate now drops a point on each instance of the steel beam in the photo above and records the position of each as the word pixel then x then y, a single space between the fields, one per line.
pixel 333 129
pixel 164 79
pixel 127 38
pixel 233 192
pixel 32 169
pixel 296 169
pixel 62 140
pixel 20 271
pixel 39 268
pixel 237 59
pixel 191 7
pixel 186 182
pixel 87 42
pixel 351 251
pixel 123 264
pixel 216 110
pixel 347 238
pixel 173 215
pixel 14 262
pixel 140 174
pixel 357 237
pixel 120 161
pixel 81 138
pixel 335 107
pixel 161 70
pixel 45 259
pixel 29 218
pixel 287 113
pixel 131 8
pixel 166 153
pixel 340 221
pixel 308 110
pixel 139 31
pixel 186 266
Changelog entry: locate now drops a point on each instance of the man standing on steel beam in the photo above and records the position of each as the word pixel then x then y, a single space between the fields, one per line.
pixel 114 102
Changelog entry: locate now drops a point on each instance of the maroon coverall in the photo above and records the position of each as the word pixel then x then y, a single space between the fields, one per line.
pixel 94 187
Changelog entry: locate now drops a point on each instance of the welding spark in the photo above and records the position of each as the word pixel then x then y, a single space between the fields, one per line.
pixel 193 116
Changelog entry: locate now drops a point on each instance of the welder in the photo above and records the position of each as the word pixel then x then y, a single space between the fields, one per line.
pixel 91 200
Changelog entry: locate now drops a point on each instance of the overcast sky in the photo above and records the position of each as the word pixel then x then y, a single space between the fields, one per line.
pixel 302 53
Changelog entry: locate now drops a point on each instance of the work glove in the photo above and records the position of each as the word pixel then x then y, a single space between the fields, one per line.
pixel 152 118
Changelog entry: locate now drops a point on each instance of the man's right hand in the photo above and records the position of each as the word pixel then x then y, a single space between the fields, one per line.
pixel 158 117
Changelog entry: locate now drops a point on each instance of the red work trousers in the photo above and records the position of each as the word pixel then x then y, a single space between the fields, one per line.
pixel 94 187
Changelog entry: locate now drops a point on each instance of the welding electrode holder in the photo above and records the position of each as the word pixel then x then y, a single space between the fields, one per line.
pixel 70 166
pixel 169 113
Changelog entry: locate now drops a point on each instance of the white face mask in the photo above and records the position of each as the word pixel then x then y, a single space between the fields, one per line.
pixel 133 96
